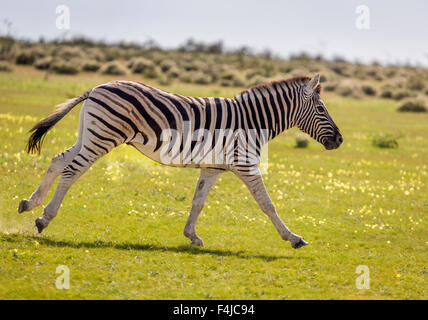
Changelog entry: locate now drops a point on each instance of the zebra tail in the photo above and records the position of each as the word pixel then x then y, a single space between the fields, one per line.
pixel 41 128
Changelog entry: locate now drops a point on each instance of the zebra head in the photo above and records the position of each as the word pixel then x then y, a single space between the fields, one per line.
pixel 314 118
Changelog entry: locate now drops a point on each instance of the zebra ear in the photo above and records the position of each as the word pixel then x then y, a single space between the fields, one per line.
pixel 312 85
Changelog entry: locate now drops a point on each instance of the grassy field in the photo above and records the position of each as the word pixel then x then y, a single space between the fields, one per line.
pixel 119 230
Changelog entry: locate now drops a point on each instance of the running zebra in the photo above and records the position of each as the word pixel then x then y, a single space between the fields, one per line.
pixel 213 134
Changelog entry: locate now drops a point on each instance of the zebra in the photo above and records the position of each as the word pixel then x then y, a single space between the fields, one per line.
pixel 136 114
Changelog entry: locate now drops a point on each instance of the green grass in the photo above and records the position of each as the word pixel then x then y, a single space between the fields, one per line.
pixel 119 229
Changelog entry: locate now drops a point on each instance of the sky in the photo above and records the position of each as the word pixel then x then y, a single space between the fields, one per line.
pixel 397 31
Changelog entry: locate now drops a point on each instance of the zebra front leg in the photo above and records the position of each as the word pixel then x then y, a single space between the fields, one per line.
pixel 206 180
pixel 55 168
pixel 255 184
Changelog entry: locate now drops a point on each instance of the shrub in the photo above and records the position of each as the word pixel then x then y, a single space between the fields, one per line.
pixel 167 65
pixel 201 78
pixel 8 48
pixel 415 83
pixel 95 54
pixel 69 53
pixel 375 74
pixel 412 106
pixel 90 65
pixel 256 80
pixel 302 141
pixel 5 67
pixel 190 66
pixel 197 77
pixel 345 91
pixel 330 86
pixel 401 94
pixel 285 68
pixel 340 69
pixel 323 78
pixel 65 67
pixel 113 68
pixel 140 65
pixel 385 140
pixel 253 73
pixel 387 92
pixel 174 72
pixel 25 57
pixel 368 90
pixel 164 80
pixel 151 73
pixel 43 63
pixel 231 79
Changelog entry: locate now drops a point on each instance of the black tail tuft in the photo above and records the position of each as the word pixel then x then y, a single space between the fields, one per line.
pixel 35 141
pixel 41 129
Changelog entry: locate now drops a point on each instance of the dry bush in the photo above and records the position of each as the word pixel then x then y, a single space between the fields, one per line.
pixel 197 77
pixel 231 79
pixel 90 65
pixel 368 90
pixel 387 140
pixel 43 63
pixel 151 73
pixel 140 65
pixel 69 53
pixel 330 87
pixel 8 48
pixel 112 53
pixel 164 79
pixel 95 54
pixel 416 83
pixel 174 72
pixel 65 67
pixel 166 65
pixel 28 56
pixel 375 73
pixel 302 141
pixel 349 88
pixel 340 68
pixel 5 67
pixel 387 92
pixel 401 94
pixel 412 106
pixel 257 79
pixel 113 68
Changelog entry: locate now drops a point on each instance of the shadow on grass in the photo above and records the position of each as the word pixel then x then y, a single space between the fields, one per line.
pixel 146 247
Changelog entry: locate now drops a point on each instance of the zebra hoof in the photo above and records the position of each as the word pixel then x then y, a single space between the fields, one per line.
pixel 23 206
pixel 197 242
pixel 39 225
pixel 299 244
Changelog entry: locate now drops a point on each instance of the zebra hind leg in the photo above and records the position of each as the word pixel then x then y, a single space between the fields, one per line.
pixel 76 168
pixel 206 181
pixel 56 166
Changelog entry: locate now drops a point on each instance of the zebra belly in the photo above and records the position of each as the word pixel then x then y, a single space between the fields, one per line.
pixel 147 150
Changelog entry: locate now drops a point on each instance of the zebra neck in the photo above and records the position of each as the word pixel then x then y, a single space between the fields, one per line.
pixel 273 108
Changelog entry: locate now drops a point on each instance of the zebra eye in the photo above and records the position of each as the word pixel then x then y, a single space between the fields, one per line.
pixel 320 109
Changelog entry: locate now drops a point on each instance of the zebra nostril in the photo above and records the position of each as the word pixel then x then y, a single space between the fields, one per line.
pixel 339 139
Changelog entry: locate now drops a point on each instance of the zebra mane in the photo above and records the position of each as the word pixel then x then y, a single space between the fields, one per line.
pixel 267 85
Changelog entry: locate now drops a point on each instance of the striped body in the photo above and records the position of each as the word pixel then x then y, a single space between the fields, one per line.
pixel 136 114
